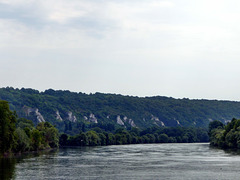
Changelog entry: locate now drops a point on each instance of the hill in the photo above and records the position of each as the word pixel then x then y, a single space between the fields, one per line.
pixel 72 112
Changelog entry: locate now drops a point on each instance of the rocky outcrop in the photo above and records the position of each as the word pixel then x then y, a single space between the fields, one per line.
pixel 125 118
pixel 131 122
pixel 157 121
pixel 162 123
pixel 154 118
pixel 91 118
pixel 35 112
pixel 58 117
pixel 71 117
pixel 125 121
pixel 119 121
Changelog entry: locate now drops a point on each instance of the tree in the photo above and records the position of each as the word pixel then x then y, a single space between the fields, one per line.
pixel 7 128
pixel 23 123
pixel 50 136
pixel 93 138
pixel 110 139
pixel 163 138
pixel 215 124
pixel 231 139
pixel 36 139
pixel 102 139
pixel 118 139
pixel 83 139
pixel 23 141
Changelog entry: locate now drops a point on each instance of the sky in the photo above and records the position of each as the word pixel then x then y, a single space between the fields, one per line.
pixel 181 49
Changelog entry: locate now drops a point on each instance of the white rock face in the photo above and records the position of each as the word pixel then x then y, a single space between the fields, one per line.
pixel 131 122
pixel 71 117
pixel 157 121
pixel 119 121
pixel 35 112
pixel 154 118
pixel 162 123
pixel 58 117
pixel 92 118
pixel 125 120
pixel 39 116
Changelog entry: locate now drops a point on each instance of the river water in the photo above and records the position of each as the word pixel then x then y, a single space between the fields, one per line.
pixel 147 161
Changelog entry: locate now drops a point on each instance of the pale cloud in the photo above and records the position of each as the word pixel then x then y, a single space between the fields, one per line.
pixel 175 48
pixel 17 2
pixel 64 11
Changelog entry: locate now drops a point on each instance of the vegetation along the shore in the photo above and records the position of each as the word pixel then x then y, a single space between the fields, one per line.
pixel 19 134
pixel 225 136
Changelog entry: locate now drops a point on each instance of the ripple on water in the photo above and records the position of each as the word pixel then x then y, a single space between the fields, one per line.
pixel 148 161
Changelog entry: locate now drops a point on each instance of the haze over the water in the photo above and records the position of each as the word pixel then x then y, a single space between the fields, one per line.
pixel 143 48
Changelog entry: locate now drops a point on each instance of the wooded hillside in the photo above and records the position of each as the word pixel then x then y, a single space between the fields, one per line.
pixel 71 111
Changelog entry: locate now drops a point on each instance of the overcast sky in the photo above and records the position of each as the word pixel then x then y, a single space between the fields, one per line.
pixel 140 47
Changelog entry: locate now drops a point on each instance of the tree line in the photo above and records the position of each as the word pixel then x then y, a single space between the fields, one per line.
pixel 225 136
pixel 20 135
pixel 99 137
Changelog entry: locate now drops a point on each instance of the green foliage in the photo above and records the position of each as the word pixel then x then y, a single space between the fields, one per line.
pixel 227 136
pixel 24 123
pixel 93 138
pixel 163 138
pixel 99 137
pixel 107 107
pixel 215 124
pixel 111 140
pixel 36 139
pixel 25 137
pixel 23 141
pixel 49 133
pixel 7 128
pixel 103 139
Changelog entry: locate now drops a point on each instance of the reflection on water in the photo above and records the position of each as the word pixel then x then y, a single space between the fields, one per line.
pixel 7 167
pixel 233 151
pixel 150 161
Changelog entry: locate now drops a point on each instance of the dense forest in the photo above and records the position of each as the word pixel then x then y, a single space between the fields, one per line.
pixel 19 134
pixel 73 113
pixel 225 136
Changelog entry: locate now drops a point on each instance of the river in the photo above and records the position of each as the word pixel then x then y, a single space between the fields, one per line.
pixel 145 161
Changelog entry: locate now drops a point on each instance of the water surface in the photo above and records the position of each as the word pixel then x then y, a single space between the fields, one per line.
pixel 148 161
